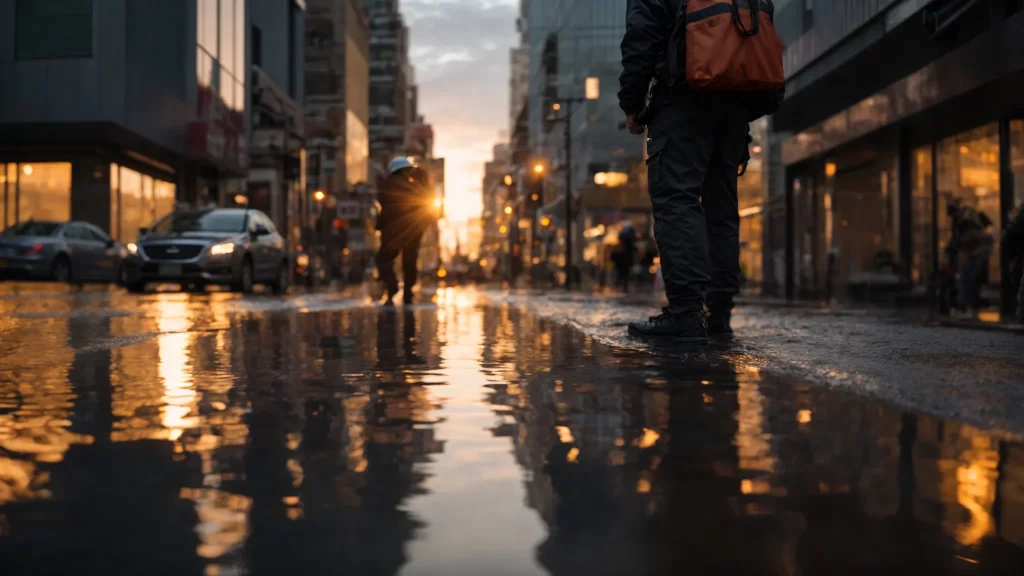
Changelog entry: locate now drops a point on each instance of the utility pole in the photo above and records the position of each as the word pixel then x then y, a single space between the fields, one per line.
pixel 593 91
pixel 569 102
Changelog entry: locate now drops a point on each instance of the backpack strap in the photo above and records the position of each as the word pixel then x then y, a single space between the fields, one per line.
pixel 755 19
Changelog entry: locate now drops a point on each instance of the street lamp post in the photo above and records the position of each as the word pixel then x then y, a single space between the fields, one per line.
pixel 593 92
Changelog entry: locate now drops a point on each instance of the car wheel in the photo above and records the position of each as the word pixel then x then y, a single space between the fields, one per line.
pixel 280 286
pixel 61 270
pixel 244 284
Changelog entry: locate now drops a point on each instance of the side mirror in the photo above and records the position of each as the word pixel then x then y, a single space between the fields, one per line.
pixel 143 232
pixel 111 243
pixel 260 231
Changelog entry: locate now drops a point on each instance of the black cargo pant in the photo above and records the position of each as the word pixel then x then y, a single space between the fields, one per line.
pixel 696 143
pixel 397 239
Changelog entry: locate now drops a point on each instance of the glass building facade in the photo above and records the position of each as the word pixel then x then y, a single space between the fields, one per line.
pixel 870 167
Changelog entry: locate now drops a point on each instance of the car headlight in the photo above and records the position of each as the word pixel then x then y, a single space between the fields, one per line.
pixel 133 248
pixel 222 249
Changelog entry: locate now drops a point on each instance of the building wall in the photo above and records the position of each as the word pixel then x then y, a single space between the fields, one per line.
pixel 136 75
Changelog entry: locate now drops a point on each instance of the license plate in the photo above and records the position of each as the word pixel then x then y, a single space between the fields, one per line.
pixel 169 270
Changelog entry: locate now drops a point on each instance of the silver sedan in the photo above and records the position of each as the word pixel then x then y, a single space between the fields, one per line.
pixel 60 251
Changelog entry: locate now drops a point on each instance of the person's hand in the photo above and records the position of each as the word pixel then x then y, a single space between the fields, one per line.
pixel 633 124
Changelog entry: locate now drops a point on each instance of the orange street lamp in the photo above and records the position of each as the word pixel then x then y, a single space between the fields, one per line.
pixel 538 168
pixel 508 179
pixel 508 209
pixel 319 195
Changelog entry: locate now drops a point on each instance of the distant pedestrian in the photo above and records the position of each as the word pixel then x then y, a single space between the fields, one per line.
pixel 694 79
pixel 1013 245
pixel 973 242
pixel 406 211
pixel 625 258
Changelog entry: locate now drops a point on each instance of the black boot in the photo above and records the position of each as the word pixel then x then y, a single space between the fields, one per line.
pixel 686 328
pixel 720 325
pixel 391 291
pixel 407 297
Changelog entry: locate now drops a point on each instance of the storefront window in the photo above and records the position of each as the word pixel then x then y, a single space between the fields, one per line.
pixel 921 198
pixel 164 198
pixel 44 191
pixel 751 205
pixel 115 203
pixel 132 211
pixel 1017 161
pixel 968 172
pixel 865 211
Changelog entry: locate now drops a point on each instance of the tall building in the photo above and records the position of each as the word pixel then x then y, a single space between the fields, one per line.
pixel 894 109
pixel 574 48
pixel 390 71
pixel 337 79
pixel 495 192
pixel 110 112
pixel 276 184
pixel 519 88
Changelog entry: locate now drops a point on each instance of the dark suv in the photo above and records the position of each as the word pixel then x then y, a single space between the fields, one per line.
pixel 233 247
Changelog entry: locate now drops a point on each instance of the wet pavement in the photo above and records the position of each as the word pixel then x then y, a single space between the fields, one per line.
pixel 212 434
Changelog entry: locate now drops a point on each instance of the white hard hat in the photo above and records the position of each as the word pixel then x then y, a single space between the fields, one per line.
pixel 398 164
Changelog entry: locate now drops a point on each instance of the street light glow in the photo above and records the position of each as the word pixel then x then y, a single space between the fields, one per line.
pixel 319 195
pixel 508 179
pixel 508 209
pixel 556 106
pixel 538 168
pixel 545 221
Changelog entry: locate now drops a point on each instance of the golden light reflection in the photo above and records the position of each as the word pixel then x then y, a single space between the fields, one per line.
pixel 650 438
pixel 643 486
pixel 803 416
pixel 977 477
pixel 572 455
pixel 174 369
pixel 228 512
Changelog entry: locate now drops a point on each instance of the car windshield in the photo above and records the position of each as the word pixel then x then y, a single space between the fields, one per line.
pixel 33 229
pixel 226 221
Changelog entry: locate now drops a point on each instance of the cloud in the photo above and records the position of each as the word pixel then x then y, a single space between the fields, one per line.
pixel 461 52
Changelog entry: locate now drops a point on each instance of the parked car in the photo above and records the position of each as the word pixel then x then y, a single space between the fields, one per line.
pixel 60 251
pixel 234 247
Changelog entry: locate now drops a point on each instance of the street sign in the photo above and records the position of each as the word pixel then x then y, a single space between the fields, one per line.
pixel 349 210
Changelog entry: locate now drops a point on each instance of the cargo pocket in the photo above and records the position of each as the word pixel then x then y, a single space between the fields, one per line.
pixel 655 148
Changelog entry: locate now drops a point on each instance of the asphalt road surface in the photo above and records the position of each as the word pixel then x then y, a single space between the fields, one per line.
pixel 495 434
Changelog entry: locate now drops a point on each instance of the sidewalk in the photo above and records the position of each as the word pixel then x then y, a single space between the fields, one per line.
pixel 957 372
pixel 915 315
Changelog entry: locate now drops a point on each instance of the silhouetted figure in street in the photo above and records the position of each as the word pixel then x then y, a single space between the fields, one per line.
pixel 972 241
pixel 1013 245
pixel 407 210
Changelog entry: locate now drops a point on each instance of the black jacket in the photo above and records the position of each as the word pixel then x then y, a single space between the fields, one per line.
pixel 649 25
pixel 405 200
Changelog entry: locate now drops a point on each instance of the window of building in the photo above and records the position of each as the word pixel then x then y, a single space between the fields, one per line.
pixel 865 213
pixel 115 202
pixel 751 203
pixel 257 46
pixel 1017 160
pixel 227 37
pixel 921 214
pixel 53 29
pixel 357 149
pixel 206 29
pixel 968 172
pixel 137 201
pixel 44 191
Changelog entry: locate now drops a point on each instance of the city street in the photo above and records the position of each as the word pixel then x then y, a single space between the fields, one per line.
pixel 495 433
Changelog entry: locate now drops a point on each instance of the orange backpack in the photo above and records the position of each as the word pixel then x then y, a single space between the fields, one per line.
pixel 732 46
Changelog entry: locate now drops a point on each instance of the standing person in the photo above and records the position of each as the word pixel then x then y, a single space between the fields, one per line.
pixel 626 256
pixel 406 211
pixel 974 243
pixel 697 142
pixel 1013 244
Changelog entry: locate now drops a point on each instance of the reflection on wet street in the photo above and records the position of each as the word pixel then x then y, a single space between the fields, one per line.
pixel 206 434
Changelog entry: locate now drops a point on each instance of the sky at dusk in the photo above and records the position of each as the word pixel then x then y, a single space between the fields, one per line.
pixel 461 52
